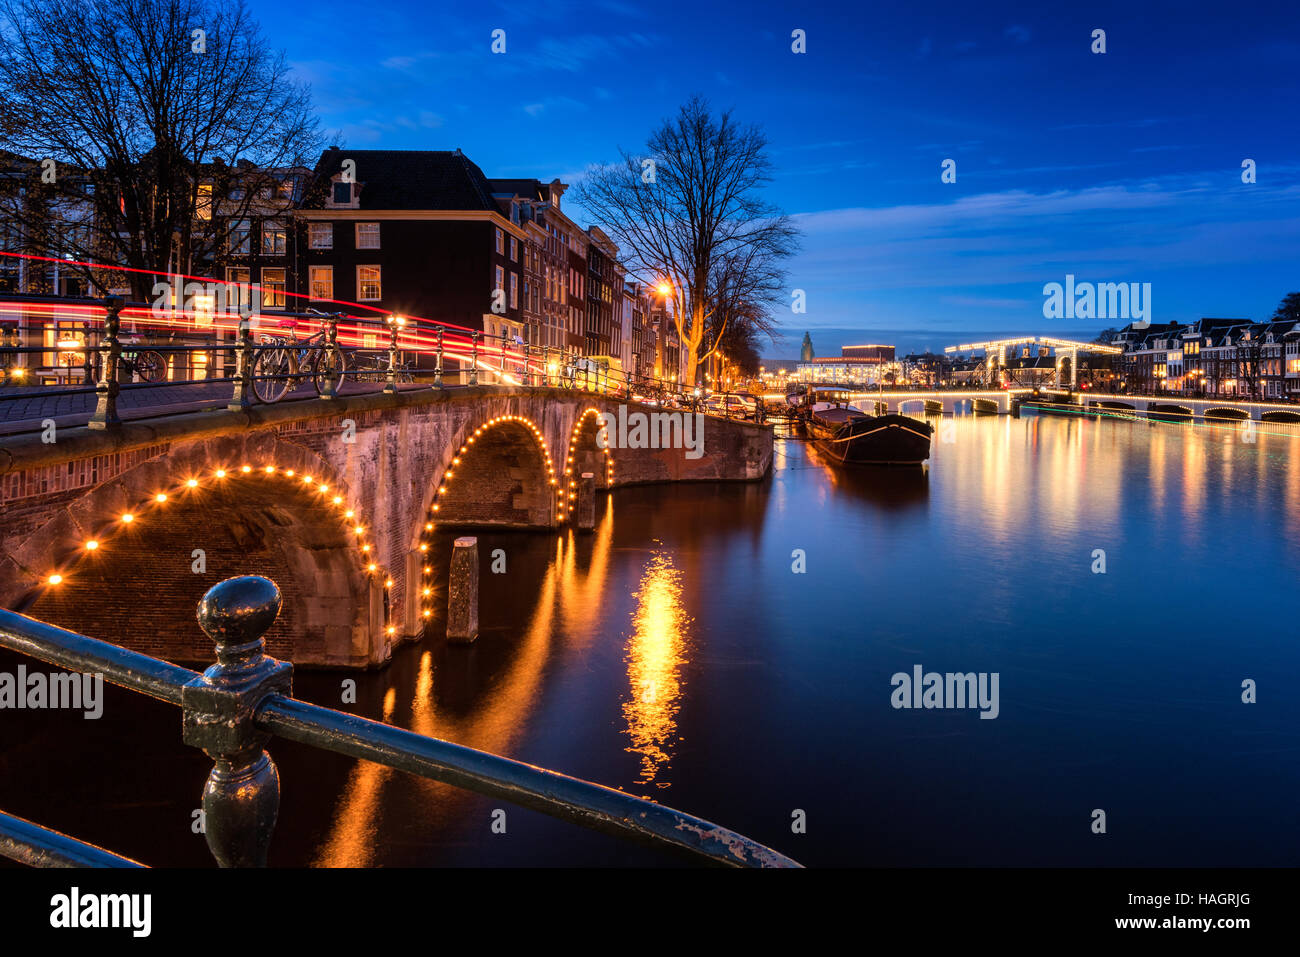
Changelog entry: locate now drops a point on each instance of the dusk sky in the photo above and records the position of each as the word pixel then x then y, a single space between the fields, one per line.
pixel 1117 167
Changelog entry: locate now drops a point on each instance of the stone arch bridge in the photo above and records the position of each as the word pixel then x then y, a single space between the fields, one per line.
pixel 115 534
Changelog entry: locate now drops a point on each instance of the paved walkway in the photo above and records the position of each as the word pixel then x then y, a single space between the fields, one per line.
pixel 22 410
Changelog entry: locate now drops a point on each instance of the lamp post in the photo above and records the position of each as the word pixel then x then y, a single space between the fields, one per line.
pixel 68 345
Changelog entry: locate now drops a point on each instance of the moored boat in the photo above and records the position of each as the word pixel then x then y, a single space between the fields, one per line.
pixel 849 436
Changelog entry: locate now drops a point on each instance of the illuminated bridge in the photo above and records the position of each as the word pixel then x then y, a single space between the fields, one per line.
pixel 335 496
pixel 995 353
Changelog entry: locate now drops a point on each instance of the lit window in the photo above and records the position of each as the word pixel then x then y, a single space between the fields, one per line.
pixel 203 207
pixel 514 291
pixel 273 287
pixel 368 285
pixel 322 282
pixel 274 239
pixel 500 282
pixel 367 235
pixel 239 293
pixel 320 235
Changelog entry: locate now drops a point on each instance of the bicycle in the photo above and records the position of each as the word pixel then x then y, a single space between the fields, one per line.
pixel 149 365
pixel 283 360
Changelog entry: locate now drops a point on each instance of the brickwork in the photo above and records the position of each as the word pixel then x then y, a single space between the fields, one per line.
pixel 384 456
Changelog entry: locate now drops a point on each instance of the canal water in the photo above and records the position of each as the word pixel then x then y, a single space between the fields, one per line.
pixel 730 650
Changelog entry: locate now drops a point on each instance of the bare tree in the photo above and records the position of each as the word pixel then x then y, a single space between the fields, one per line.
pixel 1248 353
pixel 168 122
pixel 681 211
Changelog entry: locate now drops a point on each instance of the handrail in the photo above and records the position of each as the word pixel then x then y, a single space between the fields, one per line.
pixel 237 704
pixel 107 358
pixel 36 846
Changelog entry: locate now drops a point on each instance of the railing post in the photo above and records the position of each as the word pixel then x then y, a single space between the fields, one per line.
pixel 332 359
pixel 391 385
pixel 243 395
pixel 106 390
pixel 473 360
pixel 241 799
pixel 527 378
pixel 437 369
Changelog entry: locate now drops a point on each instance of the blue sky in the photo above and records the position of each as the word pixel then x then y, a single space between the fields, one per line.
pixel 1122 166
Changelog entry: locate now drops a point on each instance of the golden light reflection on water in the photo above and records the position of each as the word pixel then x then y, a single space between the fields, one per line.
pixel 655 655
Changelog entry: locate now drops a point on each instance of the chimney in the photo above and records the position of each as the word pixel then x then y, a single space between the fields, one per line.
pixel 557 190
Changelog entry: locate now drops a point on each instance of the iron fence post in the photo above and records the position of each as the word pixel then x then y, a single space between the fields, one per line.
pixel 437 369
pixel 391 385
pixel 106 390
pixel 243 394
pixel 473 360
pixel 241 799
pixel 332 360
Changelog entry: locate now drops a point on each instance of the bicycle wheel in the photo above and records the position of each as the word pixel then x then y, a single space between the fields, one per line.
pixel 271 372
pixel 327 366
pixel 151 366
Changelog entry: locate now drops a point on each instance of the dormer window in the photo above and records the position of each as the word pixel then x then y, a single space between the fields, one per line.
pixel 343 194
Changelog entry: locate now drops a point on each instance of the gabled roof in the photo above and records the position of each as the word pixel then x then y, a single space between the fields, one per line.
pixel 413 179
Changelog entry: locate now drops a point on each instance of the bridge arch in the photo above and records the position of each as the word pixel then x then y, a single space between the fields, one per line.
pixel 502 474
pixel 1233 414
pixel 919 405
pixel 1169 411
pixel 586 454
pixel 158 535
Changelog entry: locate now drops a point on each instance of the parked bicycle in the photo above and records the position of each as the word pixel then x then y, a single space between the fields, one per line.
pixel 149 365
pixel 283 361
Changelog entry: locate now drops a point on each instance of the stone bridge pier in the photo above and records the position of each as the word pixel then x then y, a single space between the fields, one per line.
pixel 118 534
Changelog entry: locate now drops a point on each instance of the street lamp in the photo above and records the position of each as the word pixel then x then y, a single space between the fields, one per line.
pixel 67 347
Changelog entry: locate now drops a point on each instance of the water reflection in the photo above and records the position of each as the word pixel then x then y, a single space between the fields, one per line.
pixel 654 661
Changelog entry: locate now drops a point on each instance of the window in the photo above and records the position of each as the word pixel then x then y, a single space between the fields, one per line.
pixel 514 250
pixel 322 282
pixel 514 291
pixel 273 287
pixel 203 205
pixel 368 284
pixel 367 235
pixel 274 239
pixel 240 238
pixel 320 235
pixel 240 293
pixel 343 194
pixel 500 281
pixel 501 244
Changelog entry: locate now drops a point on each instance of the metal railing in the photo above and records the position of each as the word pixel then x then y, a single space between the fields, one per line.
pixel 256 365
pixel 232 709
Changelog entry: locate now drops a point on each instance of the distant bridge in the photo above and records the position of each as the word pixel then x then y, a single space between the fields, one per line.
pixel 1175 407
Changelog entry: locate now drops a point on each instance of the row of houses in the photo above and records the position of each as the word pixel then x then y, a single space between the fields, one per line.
pixel 414 233
pixel 1214 357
